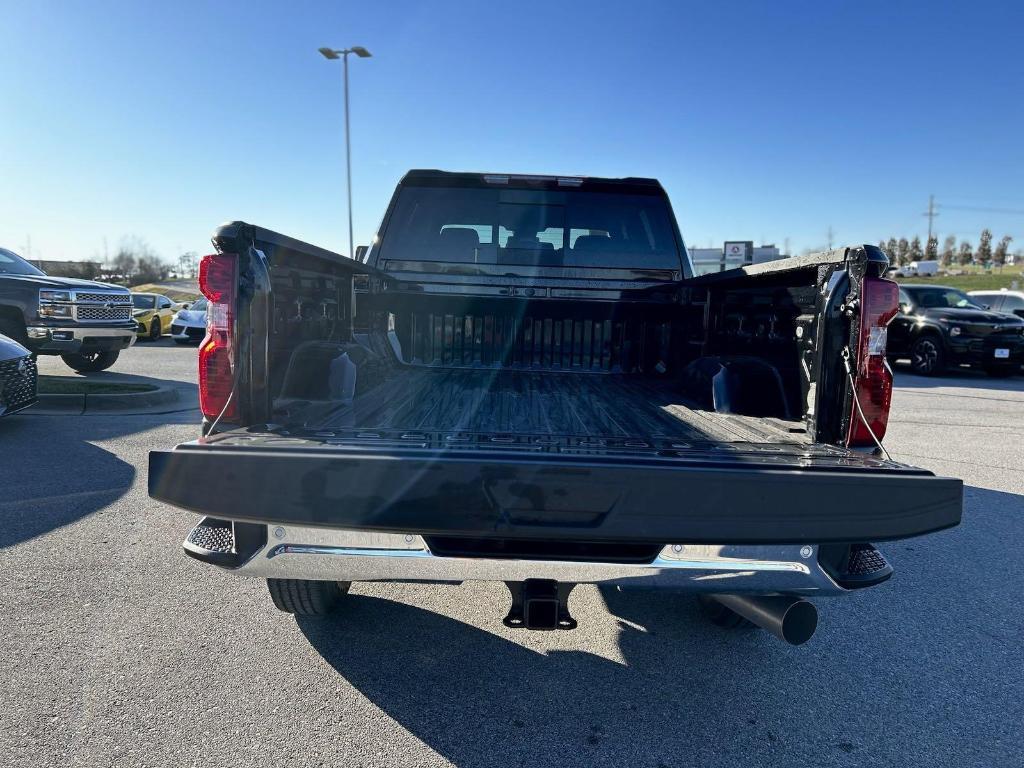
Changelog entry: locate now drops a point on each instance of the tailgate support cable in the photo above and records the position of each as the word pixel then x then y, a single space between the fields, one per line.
pixel 856 401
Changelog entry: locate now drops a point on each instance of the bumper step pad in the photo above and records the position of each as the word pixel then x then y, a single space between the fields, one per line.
pixel 224 543
pixel 212 541
pixel 213 536
pixel 865 567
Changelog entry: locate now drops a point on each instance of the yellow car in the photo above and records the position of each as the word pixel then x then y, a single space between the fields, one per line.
pixel 153 313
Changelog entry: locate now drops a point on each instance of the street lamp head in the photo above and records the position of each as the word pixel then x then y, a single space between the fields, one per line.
pixel 361 52
pixel 329 53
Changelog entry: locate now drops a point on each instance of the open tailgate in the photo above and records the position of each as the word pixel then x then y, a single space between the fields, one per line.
pixel 743 495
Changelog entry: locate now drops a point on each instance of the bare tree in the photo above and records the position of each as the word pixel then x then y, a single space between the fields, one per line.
pixel 891 249
pixel 966 253
pixel 931 250
pixel 984 253
pixel 948 250
pixel 124 264
pixel 137 263
pixel 999 255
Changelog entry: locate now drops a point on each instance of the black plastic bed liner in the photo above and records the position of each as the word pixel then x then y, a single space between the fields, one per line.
pixel 752 494
pixel 542 403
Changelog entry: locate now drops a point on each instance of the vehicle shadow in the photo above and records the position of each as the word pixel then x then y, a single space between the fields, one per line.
pixel 480 700
pixel 49 480
pixel 686 692
pixel 187 391
pixel 956 377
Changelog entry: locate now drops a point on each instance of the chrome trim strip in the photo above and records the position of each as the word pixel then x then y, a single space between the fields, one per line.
pixel 79 332
pixel 720 564
pixel 331 554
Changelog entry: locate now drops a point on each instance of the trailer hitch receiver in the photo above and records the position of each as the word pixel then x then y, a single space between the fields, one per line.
pixel 539 604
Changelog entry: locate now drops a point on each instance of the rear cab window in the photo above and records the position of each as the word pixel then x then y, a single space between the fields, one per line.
pixel 517 228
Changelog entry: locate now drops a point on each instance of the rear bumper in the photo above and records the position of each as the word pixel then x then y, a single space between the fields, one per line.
pixel 716 497
pixel 194 333
pixel 45 339
pixel 316 553
pixel 983 351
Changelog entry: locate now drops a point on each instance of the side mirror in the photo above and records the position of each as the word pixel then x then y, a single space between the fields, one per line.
pixel 361 251
pixel 185 305
pixel 1019 312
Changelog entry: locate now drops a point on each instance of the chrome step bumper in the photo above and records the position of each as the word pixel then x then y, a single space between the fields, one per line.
pixel 294 552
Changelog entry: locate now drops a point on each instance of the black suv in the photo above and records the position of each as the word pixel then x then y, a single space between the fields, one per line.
pixel 938 326
pixel 85 322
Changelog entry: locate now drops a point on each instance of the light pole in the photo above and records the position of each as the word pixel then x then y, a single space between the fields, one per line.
pixel 330 53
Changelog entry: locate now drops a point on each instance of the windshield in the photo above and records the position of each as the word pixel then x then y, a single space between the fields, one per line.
pixel 199 306
pixel 12 264
pixel 141 301
pixel 942 298
pixel 532 227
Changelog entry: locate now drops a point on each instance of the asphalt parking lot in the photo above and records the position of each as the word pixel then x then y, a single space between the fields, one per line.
pixel 122 651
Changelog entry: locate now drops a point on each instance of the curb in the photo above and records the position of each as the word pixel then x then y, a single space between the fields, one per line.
pixel 59 404
pixel 111 402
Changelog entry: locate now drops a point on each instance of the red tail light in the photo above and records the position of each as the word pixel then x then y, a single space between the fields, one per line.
pixel 872 378
pixel 218 276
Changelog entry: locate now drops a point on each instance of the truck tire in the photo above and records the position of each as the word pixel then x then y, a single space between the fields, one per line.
pixel 926 356
pixel 91 362
pixel 307 598
pixel 721 616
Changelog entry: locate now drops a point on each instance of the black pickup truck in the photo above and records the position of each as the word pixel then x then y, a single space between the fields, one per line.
pixel 85 322
pixel 938 327
pixel 522 381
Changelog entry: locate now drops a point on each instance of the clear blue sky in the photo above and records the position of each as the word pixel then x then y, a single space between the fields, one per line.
pixel 763 120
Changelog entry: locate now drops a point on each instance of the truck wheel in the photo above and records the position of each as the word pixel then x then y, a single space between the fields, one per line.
pixel 721 616
pixel 90 362
pixel 307 598
pixel 926 356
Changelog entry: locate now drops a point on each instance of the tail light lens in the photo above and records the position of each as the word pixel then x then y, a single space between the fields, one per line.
pixel 872 379
pixel 218 277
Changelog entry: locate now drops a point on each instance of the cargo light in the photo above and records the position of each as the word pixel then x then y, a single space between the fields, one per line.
pixel 872 378
pixel 218 277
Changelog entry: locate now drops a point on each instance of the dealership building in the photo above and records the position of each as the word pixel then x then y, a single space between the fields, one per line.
pixel 733 253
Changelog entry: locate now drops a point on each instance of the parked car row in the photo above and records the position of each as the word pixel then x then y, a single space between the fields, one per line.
pixel 86 323
pixel 937 327
pixel 158 315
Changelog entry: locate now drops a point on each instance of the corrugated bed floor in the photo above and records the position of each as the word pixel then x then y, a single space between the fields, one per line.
pixel 543 403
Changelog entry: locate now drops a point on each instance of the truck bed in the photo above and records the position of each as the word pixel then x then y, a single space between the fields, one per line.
pixel 597 407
